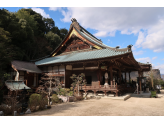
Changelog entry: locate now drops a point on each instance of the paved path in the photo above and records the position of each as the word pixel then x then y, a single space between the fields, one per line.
pixel 107 107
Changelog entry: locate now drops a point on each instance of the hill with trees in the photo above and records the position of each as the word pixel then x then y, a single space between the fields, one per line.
pixel 26 35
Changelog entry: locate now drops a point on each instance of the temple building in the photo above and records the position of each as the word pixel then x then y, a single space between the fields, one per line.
pixel 81 52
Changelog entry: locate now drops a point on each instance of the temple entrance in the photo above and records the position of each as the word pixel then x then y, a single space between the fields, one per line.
pixel 88 79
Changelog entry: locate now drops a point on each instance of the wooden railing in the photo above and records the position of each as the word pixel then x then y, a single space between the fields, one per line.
pixel 99 88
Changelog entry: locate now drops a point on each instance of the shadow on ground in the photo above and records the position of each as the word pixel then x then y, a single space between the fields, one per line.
pixel 58 108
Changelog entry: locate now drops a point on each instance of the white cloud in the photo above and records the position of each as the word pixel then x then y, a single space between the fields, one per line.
pixel 41 11
pixel 154 58
pixel 133 48
pixel 55 8
pixel 144 60
pixel 147 23
pixel 140 39
pixel 101 34
pixel 138 52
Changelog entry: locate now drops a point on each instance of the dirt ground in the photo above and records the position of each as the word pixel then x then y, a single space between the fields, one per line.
pixel 107 107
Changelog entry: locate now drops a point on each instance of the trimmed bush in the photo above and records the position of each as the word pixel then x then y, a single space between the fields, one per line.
pixel 35 98
pixel 34 101
pixel 55 99
pixel 62 92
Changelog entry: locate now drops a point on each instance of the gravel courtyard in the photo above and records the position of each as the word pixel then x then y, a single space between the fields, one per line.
pixel 107 107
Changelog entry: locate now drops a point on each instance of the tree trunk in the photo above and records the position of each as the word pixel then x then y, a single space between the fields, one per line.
pixel 78 88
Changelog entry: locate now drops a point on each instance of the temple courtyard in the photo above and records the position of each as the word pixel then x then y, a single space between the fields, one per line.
pixel 133 106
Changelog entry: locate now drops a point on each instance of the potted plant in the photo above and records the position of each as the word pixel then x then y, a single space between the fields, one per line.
pixel 153 93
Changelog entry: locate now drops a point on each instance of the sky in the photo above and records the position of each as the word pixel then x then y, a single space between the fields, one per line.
pixel 142 27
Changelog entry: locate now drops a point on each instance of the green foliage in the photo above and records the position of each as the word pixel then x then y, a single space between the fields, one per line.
pixel 55 98
pixel 70 93
pixel 63 33
pixel 6 76
pixel 53 39
pixel 26 35
pixel 80 79
pixel 35 98
pixel 49 23
pixel 56 30
pixel 62 92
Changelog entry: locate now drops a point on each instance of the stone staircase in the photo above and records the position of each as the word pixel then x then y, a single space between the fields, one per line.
pixel 143 95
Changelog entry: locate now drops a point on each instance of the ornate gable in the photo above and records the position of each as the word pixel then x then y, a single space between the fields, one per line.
pixel 74 41
pixel 74 44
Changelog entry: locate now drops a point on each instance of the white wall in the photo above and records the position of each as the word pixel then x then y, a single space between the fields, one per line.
pixel 62 68
pixel 69 67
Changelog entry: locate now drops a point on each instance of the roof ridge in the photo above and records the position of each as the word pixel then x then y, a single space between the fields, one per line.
pixel 90 33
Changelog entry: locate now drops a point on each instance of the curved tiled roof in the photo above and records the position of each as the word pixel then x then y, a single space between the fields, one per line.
pixel 25 66
pixel 80 56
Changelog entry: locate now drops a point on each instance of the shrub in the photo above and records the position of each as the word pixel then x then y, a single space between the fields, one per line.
pixel 1 96
pixel 6 110
pixel 62 92
pixel 34 101
pixel 42 103
pixel 70 93
pixel 55 99
pixel 67 90
pixel 10 107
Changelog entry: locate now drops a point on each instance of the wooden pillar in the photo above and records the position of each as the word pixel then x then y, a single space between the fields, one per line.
pixel 129 76
pixel 139 75
pixel 125 76
pixel 99 71
pixel 26 81
pixel 119 73
pixel 111 75
pixel 58 69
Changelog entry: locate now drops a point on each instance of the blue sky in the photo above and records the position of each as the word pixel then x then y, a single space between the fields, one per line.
pixel 141 27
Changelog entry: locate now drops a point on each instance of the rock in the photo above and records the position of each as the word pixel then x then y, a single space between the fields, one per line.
pixel 1 113
pixel 15 113
pixel 45 106
pixel 37 107
pixel 63 98
pixel 28 111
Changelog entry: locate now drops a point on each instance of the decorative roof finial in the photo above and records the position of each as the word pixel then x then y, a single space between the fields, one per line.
pixel 73 20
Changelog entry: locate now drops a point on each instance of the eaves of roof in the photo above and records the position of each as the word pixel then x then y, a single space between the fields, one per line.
pixel 80 56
